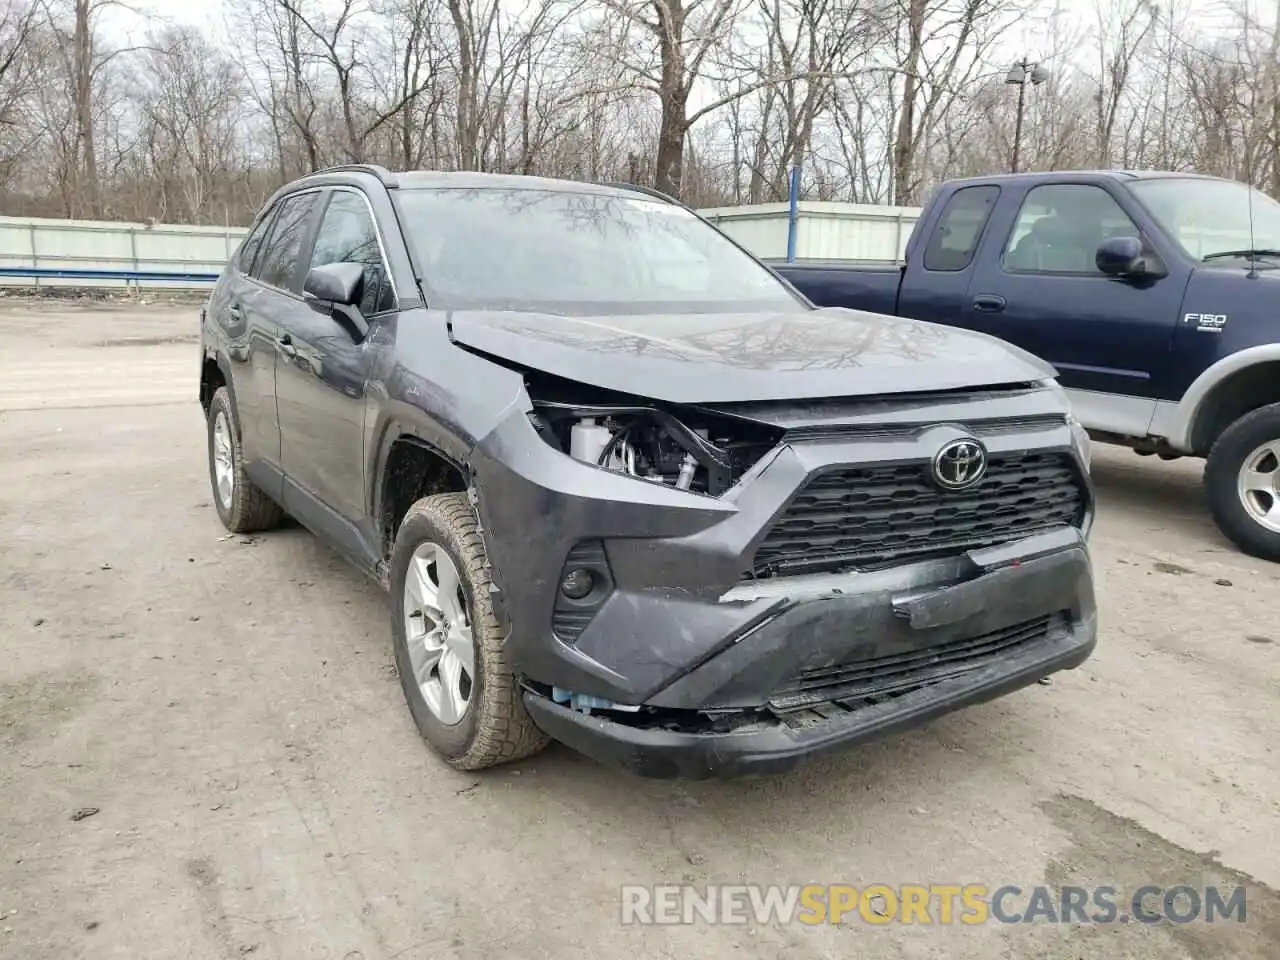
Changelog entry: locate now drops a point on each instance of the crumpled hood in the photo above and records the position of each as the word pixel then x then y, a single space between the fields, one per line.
pixel 727 358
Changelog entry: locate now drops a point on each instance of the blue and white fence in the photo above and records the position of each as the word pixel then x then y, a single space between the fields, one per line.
pixel 89 253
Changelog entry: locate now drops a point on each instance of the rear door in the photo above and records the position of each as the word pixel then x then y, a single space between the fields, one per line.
pixel 269 294
pixel 1036 285
pixel 939 270
pixel 250 353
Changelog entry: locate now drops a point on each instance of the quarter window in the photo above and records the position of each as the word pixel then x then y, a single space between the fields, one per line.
pixel 278 263
pixel 347 235
pixel 955 238
pixel 1060 228
pixel 250 245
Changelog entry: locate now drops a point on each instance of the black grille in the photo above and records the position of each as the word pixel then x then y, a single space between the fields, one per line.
pixel 866 682
pixel 870 515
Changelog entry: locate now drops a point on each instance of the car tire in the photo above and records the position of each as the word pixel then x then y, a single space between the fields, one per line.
pixel 471 714
pixel 242 506
pixel 1242 479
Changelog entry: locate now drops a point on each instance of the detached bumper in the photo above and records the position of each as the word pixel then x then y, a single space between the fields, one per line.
pixel 769 745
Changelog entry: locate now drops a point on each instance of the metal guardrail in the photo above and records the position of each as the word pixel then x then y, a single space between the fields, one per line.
pixel 72 273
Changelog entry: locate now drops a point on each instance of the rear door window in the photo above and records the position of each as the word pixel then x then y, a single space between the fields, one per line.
pixel 959 229
pixel 278 261
pixel 248 251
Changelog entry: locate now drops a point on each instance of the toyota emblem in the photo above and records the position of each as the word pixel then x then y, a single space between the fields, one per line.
pixel 960 464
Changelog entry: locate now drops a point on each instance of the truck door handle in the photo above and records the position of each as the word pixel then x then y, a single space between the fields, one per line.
pixel 284 343
pixel 234 312
pixel 988 303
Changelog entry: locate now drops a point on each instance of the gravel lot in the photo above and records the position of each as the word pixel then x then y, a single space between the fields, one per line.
pixel 230 709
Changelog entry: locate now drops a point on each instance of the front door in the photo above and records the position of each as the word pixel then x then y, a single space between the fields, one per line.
pixel 321 376
pixel 1108 338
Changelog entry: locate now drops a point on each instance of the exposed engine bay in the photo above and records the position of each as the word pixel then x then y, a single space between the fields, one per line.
pixel 696 450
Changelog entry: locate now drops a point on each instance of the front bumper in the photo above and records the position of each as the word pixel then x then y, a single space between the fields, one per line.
pixel 697 669
pixel 923 676
pixel 770 746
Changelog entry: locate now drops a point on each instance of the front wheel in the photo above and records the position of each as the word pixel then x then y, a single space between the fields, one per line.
pixel 448 644
pixel 1242 478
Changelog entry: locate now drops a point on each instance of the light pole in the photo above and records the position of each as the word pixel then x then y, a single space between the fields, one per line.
pixel 1022 73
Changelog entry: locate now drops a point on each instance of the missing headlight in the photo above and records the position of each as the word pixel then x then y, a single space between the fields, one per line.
pixel 696 451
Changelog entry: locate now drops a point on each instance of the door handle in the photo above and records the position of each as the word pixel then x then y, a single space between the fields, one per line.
pixel 284 343
pixel 234 312
pixel 988 303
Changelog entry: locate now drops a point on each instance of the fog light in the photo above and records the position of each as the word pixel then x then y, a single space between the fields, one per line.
pixel 577 583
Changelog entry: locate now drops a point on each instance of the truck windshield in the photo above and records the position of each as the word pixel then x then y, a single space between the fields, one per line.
pixel 1211 217
pixel 569 252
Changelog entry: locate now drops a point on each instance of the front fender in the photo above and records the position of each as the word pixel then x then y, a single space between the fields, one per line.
pixel 1177 423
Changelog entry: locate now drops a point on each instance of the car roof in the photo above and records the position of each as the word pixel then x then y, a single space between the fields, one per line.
pixel 360 174
pixel 468 180
pixel 1068 175
pixel 440 180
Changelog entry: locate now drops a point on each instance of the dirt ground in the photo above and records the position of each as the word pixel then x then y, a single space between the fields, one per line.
pixel 229 708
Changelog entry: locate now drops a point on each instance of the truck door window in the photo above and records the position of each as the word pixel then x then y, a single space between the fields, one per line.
pixel 1060 227
pixel 347 235
pixel 955 238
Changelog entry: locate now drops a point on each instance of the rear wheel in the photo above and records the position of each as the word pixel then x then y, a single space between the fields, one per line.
pixel 448 644
pixel 1242 477
pixel 242 506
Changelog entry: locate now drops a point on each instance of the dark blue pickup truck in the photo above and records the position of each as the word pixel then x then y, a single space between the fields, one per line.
pixel 1156 296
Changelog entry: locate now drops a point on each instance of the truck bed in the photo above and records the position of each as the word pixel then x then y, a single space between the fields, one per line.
pixel 870 284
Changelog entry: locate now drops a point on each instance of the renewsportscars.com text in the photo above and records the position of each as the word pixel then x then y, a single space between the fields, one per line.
pixel 964 904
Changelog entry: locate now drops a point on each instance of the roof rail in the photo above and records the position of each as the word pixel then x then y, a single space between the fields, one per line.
pixel 377 170
pixel 649 191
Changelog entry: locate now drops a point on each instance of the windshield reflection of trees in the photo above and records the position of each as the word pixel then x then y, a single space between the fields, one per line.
pixel 489 244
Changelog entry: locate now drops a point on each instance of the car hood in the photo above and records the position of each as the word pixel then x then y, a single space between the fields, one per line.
pixel 726 358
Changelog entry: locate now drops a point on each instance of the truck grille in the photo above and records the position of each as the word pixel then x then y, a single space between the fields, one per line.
pixel 867 682
pixel 865 516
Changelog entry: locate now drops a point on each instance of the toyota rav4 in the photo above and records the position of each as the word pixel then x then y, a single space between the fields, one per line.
pixel 629 490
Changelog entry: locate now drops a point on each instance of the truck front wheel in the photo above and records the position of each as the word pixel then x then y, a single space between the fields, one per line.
pixel 1242 477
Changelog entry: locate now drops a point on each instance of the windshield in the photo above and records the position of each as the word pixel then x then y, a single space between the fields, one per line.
pixel 560 251
pixel 1210 217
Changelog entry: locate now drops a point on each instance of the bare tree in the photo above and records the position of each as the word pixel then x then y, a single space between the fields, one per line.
pixel 713 100
pixel 666 44
pixel 1123 29
pixel 21 47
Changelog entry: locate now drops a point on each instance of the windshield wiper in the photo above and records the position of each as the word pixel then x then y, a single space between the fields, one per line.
pixel 1248 254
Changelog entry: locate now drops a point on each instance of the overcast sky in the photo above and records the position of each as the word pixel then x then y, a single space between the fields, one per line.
pixel 1028 39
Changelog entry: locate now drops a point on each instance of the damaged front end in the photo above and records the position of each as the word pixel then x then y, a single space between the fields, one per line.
pixel 687 448
pixel 719 589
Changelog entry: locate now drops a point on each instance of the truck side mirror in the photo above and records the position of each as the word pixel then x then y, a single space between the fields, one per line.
pixel 1121 257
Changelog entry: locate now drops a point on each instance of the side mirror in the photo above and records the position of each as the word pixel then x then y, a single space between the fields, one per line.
pixel 338 283
pixel 1121 257
pixel 335 289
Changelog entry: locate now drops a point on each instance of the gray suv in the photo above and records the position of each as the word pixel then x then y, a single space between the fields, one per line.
pixel 626 488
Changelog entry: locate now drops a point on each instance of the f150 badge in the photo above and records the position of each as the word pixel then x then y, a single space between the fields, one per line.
pixel 1207 322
